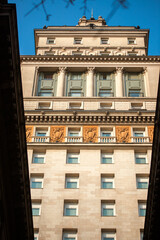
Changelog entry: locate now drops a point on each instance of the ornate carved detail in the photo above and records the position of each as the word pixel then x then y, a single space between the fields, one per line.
pixel 119 69
pixel 144 70
pixel 62 69
pixel 150 133
pixel 57 134
pixel 29 133
pixel 123 134
pixel 90 69
pixel 90 133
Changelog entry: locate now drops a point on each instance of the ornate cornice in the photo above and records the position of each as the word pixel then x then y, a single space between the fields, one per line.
pixel 71 58
pixel 83 119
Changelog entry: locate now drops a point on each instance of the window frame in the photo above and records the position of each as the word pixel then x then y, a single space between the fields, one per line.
pixel 141 205
pixel 108 234
pixel 108 205
pixel 141 179
pixel 69 178
pixel 38 206
pixel 142 155
pixel 131 39
pixel 73 154
pixel 77 42
pixel 51 39
pixel 104 41
pixel 37 155
pixel 68 232
pixel 70 205
pixel 107 179
pixel 38 179
pixel 110 155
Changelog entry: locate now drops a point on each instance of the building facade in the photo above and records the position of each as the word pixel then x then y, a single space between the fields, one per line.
pixel 89 97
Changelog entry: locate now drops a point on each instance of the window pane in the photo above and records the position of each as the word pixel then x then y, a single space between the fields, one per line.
pixel 38 160
pixel 140 160
pixel 142 185
pixel 142 212
pixel 73 134
pixel 70 211
pixel 46 94
pixel 138 134
pixel 36 185
pixel 71 185
pixel 104 134
pixel 107 184
pixel 39 134
pixel 106 160
pixel 108 238
pixel 35 211
pixel 69 238
pixel 35 238
pixel 107 212
pixel 105 93
pixel 72 160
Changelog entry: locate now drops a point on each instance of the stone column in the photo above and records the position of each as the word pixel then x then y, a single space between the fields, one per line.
pixel 61 82
pixel 146 87
pixel 90 82
pixel 119 82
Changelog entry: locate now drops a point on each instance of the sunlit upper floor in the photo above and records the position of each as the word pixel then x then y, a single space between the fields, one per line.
pixel 91 37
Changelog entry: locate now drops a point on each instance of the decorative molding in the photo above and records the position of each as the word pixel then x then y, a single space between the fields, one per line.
pixel 123 134
pixel 119 69
pixel 90 69
pixel 81 58
pixel 29 133
pixel 150 133
pixel 62 69
pixel 77 118
pixel 90 134
pixel 57 134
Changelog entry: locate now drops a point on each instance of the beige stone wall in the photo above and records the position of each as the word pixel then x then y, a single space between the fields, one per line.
pixel 89 222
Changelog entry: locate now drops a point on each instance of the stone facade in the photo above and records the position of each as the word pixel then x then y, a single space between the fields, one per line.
pixel 89 98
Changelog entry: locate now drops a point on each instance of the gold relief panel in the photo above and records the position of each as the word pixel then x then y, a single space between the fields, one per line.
pixel 150 133
pixel 90 134
pixel 123 134
pixel 29 133
pixel 57 134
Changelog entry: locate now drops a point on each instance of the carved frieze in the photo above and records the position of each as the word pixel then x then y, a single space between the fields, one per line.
pixel 57 134
pixel 29 133
pixel 150 133
pixel 123 134
pixel 90 134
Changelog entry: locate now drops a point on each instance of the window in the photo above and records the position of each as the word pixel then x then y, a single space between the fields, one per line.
pixel 36 181
pixel 47 84
pixel 36 232
pixel 105 84
pixel 131 41
pixel 141 234
pixel 107 181
pixel 73 132
pixel 108 208
pixel 106 158
pixel 142 209
pixel 140 158
pixel 73 158
pixel 41 135
pixel 132 53
pixel 139 135
pixel 50 40
pixel 71 208
pixel 134 84
pixel 77 40
pixel 136 105
pixel 69 234
pixel 75 105
pixel 105 105
pixel 36 208
pixel 44 105
pixel 108 234
pixel 76 84
pixel 142 182
pixel 104 40
pixel 72 181
pixel 77 53
pixel 106 135
pixel 38 158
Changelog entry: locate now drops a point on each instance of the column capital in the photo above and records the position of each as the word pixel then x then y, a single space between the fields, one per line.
pixel 119 69
pixel 37 68
pixel 62 69
pixel 144 70
pixel 90 69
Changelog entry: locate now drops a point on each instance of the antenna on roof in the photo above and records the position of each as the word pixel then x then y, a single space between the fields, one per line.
pixel 92 13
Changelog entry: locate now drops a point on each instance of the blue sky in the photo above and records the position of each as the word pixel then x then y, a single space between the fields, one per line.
pixel 143 13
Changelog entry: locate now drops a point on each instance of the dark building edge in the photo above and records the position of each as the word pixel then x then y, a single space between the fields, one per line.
pixel 152 220
pixel 15 199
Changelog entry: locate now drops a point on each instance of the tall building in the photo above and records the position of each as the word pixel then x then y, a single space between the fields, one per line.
pixel 89 97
